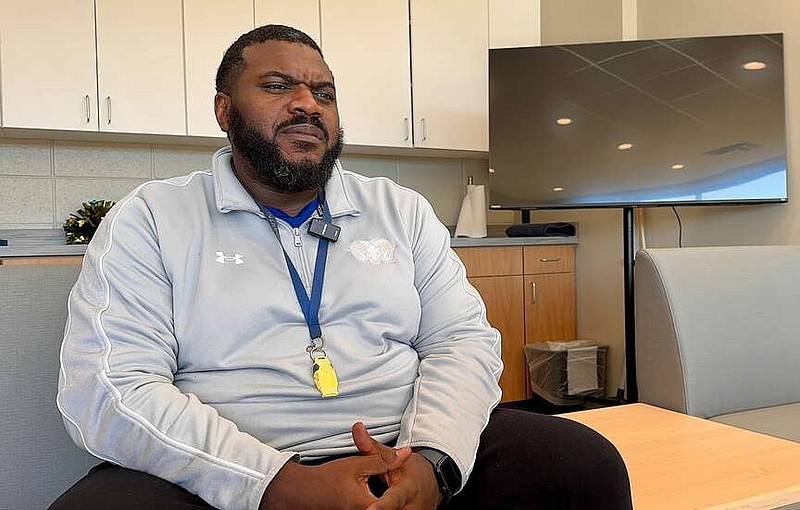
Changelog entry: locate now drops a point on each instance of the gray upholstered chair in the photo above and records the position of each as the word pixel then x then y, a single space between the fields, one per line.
pixel 38 460
pixel 718 334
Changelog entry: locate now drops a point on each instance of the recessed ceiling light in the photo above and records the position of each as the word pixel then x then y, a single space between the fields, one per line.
pixel 564 121
pixel 678 166
pixel 624 146
pixel 754 65
pixel 558 188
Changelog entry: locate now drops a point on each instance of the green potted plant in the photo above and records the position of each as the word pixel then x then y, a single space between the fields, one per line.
pixel 80 226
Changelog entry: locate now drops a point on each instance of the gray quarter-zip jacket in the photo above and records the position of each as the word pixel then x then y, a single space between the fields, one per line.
pixel 184 354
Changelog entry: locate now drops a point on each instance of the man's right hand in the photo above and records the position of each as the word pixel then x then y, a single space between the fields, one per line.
pixel 338 484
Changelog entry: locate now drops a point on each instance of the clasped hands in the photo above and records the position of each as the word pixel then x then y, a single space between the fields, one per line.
pixel 343 483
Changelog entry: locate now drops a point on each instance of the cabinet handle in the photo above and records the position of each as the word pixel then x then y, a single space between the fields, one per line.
pixel 545 259
pixel 424 129
pixel 406 133
pixel 108 109
pixel 88 106
pixel 533 292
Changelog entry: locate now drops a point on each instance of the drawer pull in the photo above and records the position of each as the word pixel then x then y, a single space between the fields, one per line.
pixel 545 259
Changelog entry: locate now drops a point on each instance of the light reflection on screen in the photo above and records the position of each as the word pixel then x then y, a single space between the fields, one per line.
pixel 658 122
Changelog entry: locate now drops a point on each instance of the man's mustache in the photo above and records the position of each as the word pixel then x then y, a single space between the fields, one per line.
pixel 302 118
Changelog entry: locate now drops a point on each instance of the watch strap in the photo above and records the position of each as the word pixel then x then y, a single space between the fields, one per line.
pixel 448 477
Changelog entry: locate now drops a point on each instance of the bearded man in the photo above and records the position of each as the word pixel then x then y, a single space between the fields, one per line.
pixel 279 333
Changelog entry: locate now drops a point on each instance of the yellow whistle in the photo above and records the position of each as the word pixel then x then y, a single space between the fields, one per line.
pixel 325 377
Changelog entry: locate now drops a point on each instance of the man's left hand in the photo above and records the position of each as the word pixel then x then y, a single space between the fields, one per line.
pixel 412 486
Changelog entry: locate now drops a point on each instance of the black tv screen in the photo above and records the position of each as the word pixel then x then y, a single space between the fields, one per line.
pixel 653 122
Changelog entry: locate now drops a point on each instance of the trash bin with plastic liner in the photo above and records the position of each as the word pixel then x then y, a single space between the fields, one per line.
pixel 565 373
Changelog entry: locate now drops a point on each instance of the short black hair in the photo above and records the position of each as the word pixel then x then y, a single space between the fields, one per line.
pixel 233 60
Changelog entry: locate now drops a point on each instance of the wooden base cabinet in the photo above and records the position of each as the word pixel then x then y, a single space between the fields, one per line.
pixel 529 293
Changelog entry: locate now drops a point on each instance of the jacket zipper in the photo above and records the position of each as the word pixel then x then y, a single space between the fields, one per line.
pixel 302 267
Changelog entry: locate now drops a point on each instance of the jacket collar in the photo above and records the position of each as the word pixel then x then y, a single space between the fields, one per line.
pixel 230 195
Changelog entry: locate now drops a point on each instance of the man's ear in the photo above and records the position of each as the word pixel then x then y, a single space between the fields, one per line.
pixel 222 102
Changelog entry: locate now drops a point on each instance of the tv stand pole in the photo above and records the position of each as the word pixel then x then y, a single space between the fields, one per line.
pixel 632 393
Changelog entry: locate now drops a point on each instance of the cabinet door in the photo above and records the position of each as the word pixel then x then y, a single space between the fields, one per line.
pixel 550 307
pixel 48 72
pixel 366 46
pixel 140 66
pixel 504 309
pixel 208 32
pixel 450 69
pixel 300 14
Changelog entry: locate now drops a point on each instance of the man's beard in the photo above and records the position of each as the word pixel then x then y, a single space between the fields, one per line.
pixel 269 165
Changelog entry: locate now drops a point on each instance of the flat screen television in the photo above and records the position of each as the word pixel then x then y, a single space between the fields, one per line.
pixel 686 121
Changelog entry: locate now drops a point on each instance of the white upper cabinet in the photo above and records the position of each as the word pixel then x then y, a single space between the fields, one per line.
pixel 208 32
pixel 366 46
pixel 300 14
pixel 450 70
pixel 408 73
pixel 47 64
pixel 140 66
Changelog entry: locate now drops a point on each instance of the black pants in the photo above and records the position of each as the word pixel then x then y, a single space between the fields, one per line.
pixel 524 461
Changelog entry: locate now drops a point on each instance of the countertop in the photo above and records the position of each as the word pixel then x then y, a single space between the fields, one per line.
pixel 465 242
pixel 52 243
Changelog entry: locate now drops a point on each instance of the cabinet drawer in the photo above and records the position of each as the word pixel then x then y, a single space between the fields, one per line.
pixel 549 259
pixel 495 261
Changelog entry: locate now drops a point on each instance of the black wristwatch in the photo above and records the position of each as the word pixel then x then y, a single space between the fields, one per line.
pixel 444 468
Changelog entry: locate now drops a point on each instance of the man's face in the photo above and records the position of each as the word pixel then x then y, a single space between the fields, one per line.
pixel 281 116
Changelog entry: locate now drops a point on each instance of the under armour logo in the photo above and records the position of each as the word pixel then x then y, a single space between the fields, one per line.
pixel 236 258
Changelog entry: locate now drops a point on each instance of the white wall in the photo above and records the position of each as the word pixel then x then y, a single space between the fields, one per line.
pixel 764 224
pixel 573 21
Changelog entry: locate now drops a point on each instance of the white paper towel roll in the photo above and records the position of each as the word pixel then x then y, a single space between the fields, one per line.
pixel 472 218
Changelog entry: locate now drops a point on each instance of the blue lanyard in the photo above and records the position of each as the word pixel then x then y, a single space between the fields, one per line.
pixel 309 305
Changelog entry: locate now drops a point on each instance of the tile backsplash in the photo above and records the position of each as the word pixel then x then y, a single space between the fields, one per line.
pixel 42 181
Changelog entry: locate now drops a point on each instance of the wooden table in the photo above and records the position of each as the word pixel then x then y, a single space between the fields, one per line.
pixel 677 461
